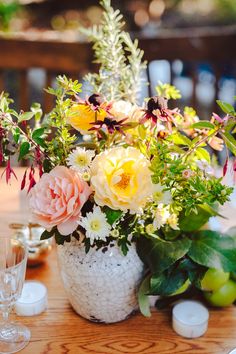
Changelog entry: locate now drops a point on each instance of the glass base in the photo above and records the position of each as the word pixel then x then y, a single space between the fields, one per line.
pixel 13 337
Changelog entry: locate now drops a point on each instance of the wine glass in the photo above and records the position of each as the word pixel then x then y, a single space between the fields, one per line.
pixel 13 258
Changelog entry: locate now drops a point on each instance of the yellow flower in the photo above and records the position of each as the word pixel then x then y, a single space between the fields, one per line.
pixel 81 116
pixel 121 179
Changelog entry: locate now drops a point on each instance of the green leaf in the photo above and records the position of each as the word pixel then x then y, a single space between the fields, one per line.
pixel 143 298
pixel 203 154
pixel 112 215
pixel 194 221
pixel 60 239
pixel 230 142
pixel 213 250
pixel 159 254
pixel 24 149
pixel 16 135
pixel 25 116
pixel 179 139
pixel 47 166
pixel 37 133
pixel 203 124
pixel 226 107
pixel 167 283
pixel 40 142
pixel 47 234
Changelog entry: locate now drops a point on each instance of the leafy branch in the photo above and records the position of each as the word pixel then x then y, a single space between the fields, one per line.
pixel 119 58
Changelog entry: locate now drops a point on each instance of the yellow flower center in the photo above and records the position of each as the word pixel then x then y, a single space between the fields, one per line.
pixel 95 225
pixel 125 180
pixel 81 160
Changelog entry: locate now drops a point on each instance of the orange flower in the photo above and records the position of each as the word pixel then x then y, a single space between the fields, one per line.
pixel 81 117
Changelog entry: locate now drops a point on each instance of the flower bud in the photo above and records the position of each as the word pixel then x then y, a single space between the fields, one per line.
pixel 95 99
pixel 156 102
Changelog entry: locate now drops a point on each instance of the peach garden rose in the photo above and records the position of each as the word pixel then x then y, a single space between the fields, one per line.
pixel 57 199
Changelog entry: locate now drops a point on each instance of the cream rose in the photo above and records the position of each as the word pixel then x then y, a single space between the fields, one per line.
pixel 121 179
pixel 56 200
pixel 124 109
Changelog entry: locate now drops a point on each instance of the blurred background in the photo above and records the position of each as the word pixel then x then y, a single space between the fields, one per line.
pixel 189 43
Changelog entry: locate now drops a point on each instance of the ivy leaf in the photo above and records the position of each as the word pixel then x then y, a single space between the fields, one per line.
pixel 143 298
pixel 203 124
pixel 25 116
pixel 230 142
pixel 194 221
pixel 159 254
pixel 213 250
pixel 24 149
pixel 226 107
pixel 112 215
pixel 167 283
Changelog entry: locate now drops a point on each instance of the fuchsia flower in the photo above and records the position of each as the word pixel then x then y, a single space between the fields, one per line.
pixel 9 171
pixel 57 199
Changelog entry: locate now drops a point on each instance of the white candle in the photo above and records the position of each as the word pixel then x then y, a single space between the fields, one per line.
pixel 233 351
pixel 190 319
pixel 33 300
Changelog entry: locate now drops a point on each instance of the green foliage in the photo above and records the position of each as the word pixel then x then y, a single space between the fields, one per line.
pixel 168 282
pixel 7 11
pixel 214 250
pixel 112 215
pixel 119 58
pixel 48 234
pixel 226 107
pixel 143 299
pixel 24 150
pixel 168 91
pixel 159 254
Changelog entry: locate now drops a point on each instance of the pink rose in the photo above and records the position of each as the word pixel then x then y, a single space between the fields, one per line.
pixel 57 199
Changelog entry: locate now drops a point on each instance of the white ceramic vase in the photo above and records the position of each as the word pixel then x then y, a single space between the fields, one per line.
pixel 101 285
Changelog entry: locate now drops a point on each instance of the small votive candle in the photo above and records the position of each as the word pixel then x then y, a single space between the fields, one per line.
pixel 33 300
pixel 190 319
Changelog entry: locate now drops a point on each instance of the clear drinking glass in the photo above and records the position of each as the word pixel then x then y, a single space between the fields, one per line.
pixel 13 258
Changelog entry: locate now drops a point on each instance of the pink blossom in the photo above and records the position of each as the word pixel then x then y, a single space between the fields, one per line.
pixel 57 199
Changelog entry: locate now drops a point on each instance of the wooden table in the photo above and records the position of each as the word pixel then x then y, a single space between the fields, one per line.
pixel 60 331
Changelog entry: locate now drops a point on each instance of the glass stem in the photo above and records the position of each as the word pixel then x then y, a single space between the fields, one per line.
pixel 5 314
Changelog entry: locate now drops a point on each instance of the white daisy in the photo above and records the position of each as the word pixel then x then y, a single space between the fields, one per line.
pixel 80 159
pixel 95 225
pixel 161 196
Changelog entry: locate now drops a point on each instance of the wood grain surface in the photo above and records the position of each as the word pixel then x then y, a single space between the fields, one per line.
pixel 60 331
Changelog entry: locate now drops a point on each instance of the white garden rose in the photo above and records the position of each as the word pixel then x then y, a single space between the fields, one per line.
pixel 121 179
pixel 121 109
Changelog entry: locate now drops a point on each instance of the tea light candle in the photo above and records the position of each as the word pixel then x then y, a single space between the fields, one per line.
pixel 233 351
pixel 190 319
pixel 33 300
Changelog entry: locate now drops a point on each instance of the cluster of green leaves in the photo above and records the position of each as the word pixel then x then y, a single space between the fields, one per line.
pixel 188 193
pixel 168 91
pixel 119 58
pixel 23 132
pixel 16 140
pixel 8 9
pixel 173 262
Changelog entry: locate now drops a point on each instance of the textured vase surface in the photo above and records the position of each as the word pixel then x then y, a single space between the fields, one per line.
pixel 101 285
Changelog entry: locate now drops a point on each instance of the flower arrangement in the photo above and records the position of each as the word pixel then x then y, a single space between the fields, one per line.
pixel 111 171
